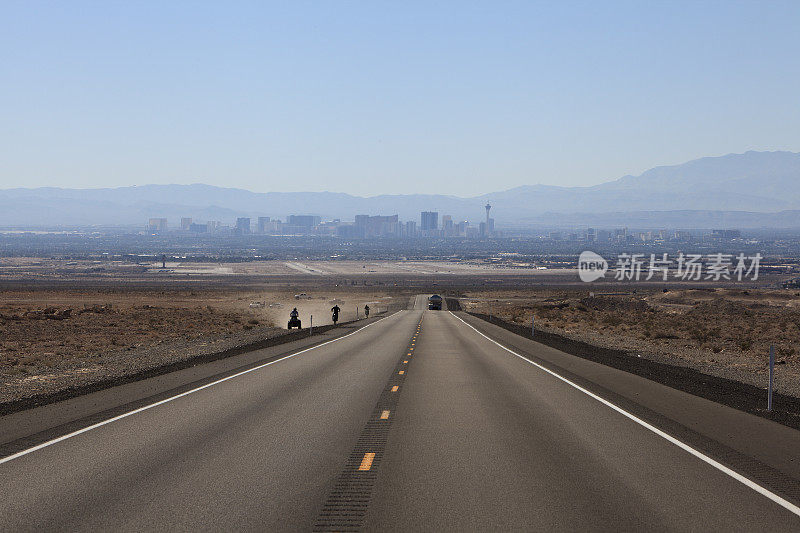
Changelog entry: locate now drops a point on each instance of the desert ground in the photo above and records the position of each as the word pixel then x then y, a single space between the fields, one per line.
pixel 44 327
pixel 725 332
pixel 67 322
pixel 10 268
pixel 57 338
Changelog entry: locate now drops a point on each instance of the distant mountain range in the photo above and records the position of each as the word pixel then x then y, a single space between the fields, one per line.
pixel 754 189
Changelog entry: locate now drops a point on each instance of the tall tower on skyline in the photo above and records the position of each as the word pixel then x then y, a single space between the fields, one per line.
pixel 488 207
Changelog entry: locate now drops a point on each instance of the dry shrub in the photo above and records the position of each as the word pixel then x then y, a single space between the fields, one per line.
pixel 611 320
pixel 745 344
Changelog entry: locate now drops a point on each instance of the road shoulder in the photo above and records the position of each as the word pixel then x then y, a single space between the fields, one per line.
pixel 27 427
pixel 759 448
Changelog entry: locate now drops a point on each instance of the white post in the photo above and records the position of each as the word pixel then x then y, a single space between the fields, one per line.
pixel 311 327
pixel 533 328
pixel 771 373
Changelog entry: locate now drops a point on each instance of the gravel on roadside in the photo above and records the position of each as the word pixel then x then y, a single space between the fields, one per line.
pixel 736 368
pixel 125 362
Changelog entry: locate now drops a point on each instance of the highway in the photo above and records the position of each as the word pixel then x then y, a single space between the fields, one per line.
pixel 420 421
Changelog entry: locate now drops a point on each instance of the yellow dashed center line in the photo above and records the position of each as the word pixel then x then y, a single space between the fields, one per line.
pixel 402 372
pixel 385 415
pixel 366 462
pixel 405 362
pixel 394 389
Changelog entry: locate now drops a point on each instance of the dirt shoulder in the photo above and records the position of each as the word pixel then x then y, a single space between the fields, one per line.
pixel 56 342
pixel 719 332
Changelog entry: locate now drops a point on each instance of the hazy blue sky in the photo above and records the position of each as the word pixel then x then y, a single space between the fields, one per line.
pixel 388 97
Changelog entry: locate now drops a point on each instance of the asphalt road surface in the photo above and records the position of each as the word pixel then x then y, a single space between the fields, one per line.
pixel 417 422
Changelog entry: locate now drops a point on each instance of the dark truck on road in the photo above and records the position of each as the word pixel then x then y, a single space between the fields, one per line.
pixel 435 303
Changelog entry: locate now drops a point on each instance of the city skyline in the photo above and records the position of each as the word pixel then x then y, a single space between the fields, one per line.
pixel 360 226
pixel 753 189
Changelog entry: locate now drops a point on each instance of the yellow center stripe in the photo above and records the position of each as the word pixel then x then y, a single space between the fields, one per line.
pixel 394 389
pixel 402 372
pixel 405 362
pixel 385 415
pixel 366 462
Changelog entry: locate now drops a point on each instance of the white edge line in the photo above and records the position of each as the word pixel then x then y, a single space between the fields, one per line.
pixel 181 395
pixel 719 466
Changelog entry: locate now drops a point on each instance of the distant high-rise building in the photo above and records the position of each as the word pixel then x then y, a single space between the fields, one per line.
pixel 303 225
pixel 308 221
pixel 198 228
pixel 376 226
pixel 726 234
pixel 243 225
pixel 213 226
pixel 447 226
pixel 347 231
pixel 263 224
pixel 360 225
pixel 157 225
pixel 273 227
pixel 411 229
pixel 185 223
pixel 429 221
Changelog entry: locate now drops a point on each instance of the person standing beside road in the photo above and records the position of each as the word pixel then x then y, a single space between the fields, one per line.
pixel 335 314
pixel 366 311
